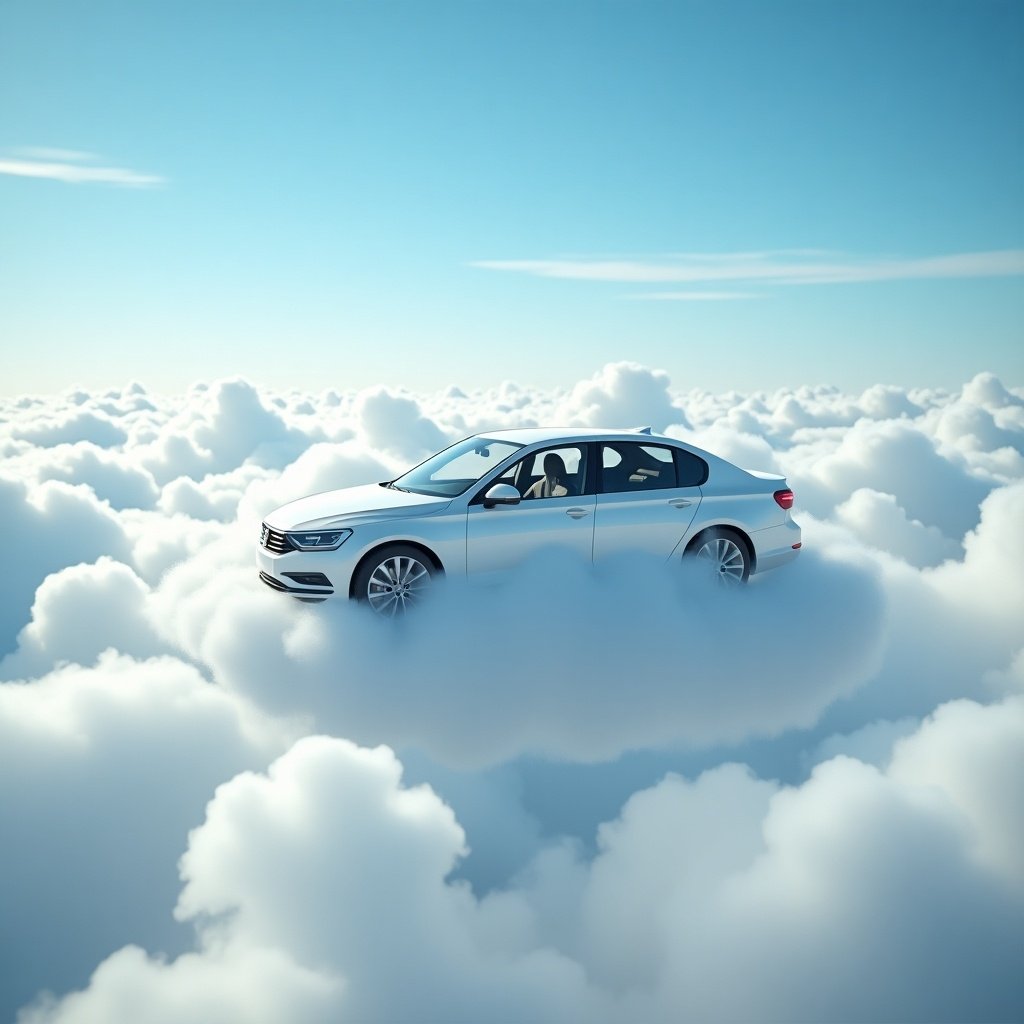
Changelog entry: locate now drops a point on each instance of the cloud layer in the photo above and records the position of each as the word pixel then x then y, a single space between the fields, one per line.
pixel 624 797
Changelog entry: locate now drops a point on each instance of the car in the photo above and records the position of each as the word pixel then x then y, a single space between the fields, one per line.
pixel 491 500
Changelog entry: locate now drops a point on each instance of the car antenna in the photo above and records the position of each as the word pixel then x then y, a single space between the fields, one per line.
pixel 641 430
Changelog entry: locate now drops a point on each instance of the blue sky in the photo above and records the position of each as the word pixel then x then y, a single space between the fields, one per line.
pixel 422 193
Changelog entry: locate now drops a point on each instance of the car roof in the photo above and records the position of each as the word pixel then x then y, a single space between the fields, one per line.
pixel 534 435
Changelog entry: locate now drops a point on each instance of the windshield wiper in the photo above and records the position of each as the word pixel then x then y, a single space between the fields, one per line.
pixel 393 486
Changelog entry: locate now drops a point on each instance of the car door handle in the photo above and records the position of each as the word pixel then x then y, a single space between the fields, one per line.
pixel 577 513
pixel 680 502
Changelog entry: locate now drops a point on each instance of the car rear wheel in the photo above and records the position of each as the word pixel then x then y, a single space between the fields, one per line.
pixel 394 580
pixel 724 556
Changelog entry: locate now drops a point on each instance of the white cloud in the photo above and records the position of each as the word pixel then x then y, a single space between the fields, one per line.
pixel 103 771
pixel 740 444
pixel 880 522
pixel 770 267
pixel 983 425
pixel 333 828
pixel 237 426
pixel 147 668
pixel 684 664
pixel 219 429
pixel 160 542
pixel 394 423
pixel 74 168
pixel 950 630
pixel 53 526
pixel 69 429
pixel 694 296
pixel 623 395
pixel 723 898
pixel 872 743
pixel 111 477
pixel 321 467
pixel 988 579
pixel 892 457
pixel 232 984
pixel 987 390
pixel 885 402
pixel 974 755
pixel 78 613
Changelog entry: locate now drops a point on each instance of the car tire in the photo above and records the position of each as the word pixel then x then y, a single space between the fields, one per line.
pixel 394 580
pixel 724 554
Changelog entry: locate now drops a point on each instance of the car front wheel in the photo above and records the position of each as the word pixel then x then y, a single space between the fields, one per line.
pixel 723 555
pixel 394 580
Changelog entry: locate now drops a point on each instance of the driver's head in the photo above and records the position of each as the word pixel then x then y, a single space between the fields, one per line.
pixel 554 467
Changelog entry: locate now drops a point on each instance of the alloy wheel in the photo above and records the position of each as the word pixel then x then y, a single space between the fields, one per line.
pixel 396 585
pixel 724 559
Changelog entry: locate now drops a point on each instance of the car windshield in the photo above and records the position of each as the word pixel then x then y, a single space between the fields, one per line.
pixel 456 469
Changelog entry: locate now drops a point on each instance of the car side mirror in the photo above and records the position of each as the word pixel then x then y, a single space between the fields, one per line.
pixel 502 494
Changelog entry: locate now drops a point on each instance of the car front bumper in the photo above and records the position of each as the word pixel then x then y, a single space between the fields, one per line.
pixel 308 575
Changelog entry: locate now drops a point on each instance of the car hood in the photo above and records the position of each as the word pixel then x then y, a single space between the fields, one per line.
pixel 352 504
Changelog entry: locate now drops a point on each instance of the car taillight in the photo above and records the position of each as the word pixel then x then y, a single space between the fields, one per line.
pixel 784 499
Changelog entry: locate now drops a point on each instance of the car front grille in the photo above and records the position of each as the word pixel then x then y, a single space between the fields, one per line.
pixel 275 541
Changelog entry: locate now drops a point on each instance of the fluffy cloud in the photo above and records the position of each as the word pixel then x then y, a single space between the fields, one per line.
pixel 882 402
pixel 624 395
pixel 734 438
pixel 723 898
pixel 576 836
pixel 582 670
pixel 880 522
pixel 105 769
pixel 332 827
pixel 219 429
pixel 80 612
pixel 896 458
pixel 395 423
pixel 52 526
pixel 237 426
pixel 985 589
pixel 111 479
pixel 99 430
pixel 321 467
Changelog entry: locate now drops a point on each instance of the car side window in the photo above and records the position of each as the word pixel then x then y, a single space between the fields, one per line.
pixel 691 470
pixel 552 473
pixel 626 466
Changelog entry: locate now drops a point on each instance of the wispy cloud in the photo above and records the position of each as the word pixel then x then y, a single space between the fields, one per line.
pixel 74 167
pixel 695 296
pixel 782 267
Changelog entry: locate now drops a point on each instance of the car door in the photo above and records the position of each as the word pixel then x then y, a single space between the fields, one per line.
pixel 498 538
pixel 647 498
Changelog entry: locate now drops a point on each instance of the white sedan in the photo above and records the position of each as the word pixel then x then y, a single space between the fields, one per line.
pixel 493 499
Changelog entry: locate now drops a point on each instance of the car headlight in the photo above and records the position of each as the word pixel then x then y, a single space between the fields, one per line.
pixel 319 540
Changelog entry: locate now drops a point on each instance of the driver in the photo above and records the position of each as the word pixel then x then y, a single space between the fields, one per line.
pixel 554 483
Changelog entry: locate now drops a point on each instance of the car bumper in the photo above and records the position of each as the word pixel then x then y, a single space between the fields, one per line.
pixel 308 575
pixel 776 546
